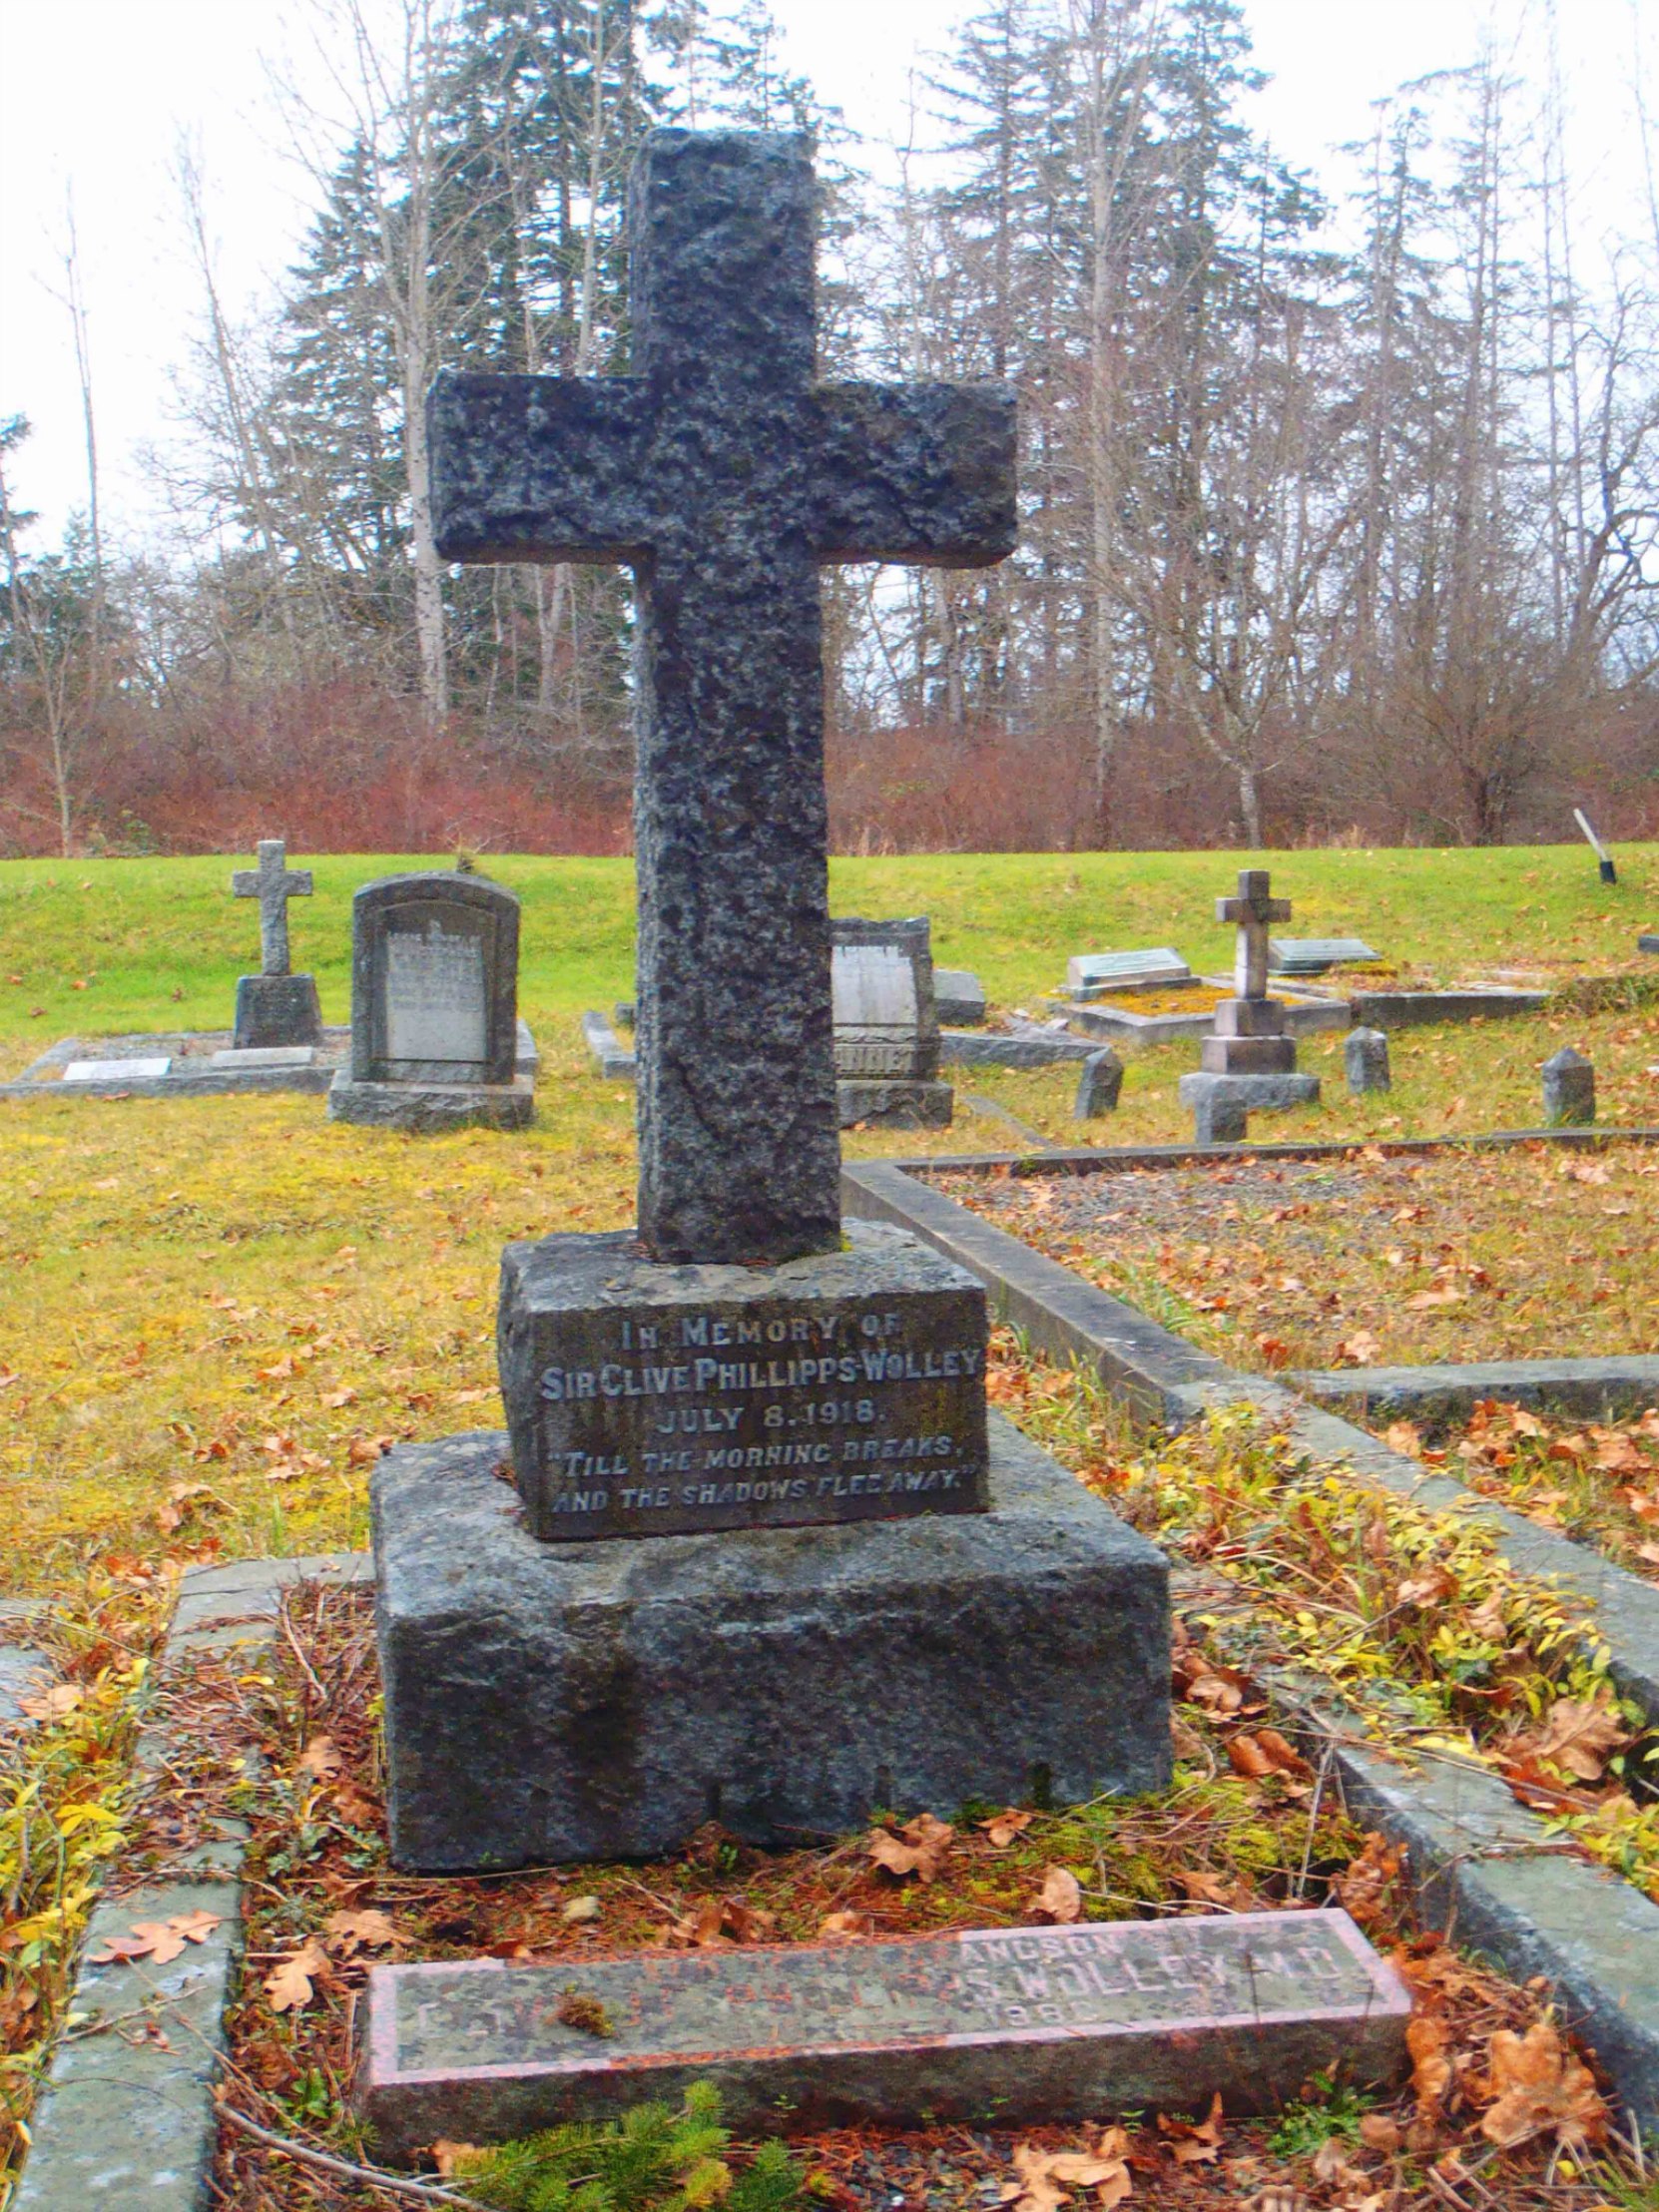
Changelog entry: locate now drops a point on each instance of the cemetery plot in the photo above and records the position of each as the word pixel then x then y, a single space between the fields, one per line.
pixel 1244 1827
pixel 1367 1261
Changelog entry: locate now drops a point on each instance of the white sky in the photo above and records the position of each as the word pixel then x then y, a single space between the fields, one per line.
pixel 98 92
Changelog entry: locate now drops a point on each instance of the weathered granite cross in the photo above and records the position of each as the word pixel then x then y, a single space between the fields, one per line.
pixel 1255 912
pixel 273 885
pixel 724 474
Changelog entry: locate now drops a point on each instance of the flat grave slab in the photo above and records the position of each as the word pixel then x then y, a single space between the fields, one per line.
pixel 265 1056
pixel 1313 955
pixel 1030 2024
pixel 1089 973
pixel 118 1071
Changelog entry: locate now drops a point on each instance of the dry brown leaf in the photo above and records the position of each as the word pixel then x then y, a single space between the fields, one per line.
pixel 1266 1751
pixel 845 1927
pixel 579 1910
pixel 55 1704
pixel 920 1847
pixel 290 1987
pixel 1061 1895
pixel 1431 1587
pixel 157 1941
pixel 1429 2039
pixel 1046 2176
pixel 1361 1349
pixel 1404 1436
pixel 320 1760
pixel 452 2159
pixel 1193 2146
pixel 1001 1829
pixel 1539 2089
pixel 1363 1889
pixel 1204 1887
pixel 368 1929
pixel 1579 1735
pixel 1380 2133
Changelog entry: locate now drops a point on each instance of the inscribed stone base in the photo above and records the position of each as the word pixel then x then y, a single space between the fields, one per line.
pixel 1248 1055
pixel 894 1103
pixel 276 1009
pixel 1257 1094
pixel 648 1400
pixel 429 1107
pixel 558 1702
pixel 1012 2026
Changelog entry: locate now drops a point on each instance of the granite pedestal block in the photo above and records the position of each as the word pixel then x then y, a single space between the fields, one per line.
pixel 426 1108
pixel 894 1103
pixel 1248 1055
pixel 277 1010
pixel 558 1702
pixel 646 1401
pixel 1257 1094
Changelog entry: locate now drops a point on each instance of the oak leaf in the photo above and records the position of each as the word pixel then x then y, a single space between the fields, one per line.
pixel 1580 1735
pixel 1001 1829
pixel 1191 2145
pixel 1046 2176
pixel 1539 2089
pixel 920 1847
pixel 291 1985
pixel 1061 1897
pixel 370 1929
pixel 55 1704
pixel 319 1761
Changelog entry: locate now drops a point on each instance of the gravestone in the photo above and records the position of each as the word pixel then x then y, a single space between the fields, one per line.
pixel 1249 1061
pixel 1569 1086
pixel 1648 941
pixel 959 998
pixel 139 1068
pixel 275 1007
pixel 1366 1059
pixel 1094 974
pixel 887 1025
pixel 1315 955
pixel 1033 2025
pixel 614 1060
pixel 594 1660
pixel 1099 1082
pixel 434 1006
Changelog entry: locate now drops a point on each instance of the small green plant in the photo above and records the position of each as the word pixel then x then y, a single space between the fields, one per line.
pixel 653 2159
pixel 1330 2114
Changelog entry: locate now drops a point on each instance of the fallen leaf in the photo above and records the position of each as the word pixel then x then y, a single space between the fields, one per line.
pixel 1404 1436
pixel 1191 2145
pixel 845 1927
pixel 1380 2133
pixel 291 1985
pixel 1362 1349
pixel 1579 1735
pixel 580 1910
pixel 55 1704
pixel 1001 1829
pixel 1363 1889
pixel 920 1847
pixel 1427 2040
pixel 1266 1751
pixel 1061 1895
pixel 319 1761
pixel 1539 2089
pixel 1046 2176
pixel 452 2159
pixel 368 1929
pixel 1433 1586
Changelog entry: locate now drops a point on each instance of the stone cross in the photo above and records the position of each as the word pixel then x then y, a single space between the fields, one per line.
pixel 1255 912
pixel 273 885
pixel 724 474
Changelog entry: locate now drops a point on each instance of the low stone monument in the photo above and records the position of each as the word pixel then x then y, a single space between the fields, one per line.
pixel 1648 941
pixel 1249 1063
pixel 435 1036
pixel 1316 955
pixel 959 998
pixel 907 1603
pixel 1099 1083
pixel 887 1025
pixel 1094 974
pixel 1365 1061
pixel 1569 1086
pixel 275 1007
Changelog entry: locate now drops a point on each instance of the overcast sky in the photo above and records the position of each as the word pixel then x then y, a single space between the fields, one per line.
pixel 98 93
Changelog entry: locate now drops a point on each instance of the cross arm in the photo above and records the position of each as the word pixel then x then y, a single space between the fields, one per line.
pixel 248 883
pixel 539 468
pixel 916 472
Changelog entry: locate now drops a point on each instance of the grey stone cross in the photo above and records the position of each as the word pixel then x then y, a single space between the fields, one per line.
pixel 724 473
pixel 273 885
pixel 1255 912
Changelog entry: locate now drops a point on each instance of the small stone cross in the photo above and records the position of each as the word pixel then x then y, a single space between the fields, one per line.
pixel 273 885
pixel 723 473
pixel 1255 912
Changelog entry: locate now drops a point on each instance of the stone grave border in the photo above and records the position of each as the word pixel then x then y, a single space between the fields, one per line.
pixel 1306 1010
pixel 202 1079
pixel 1477 1857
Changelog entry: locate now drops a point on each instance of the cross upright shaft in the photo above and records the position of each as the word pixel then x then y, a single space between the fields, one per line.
pixel 724 474
pixel 1255 911
pixel 273 885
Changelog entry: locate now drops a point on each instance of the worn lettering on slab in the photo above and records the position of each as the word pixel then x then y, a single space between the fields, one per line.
pixel 435 1005
pixel 1018 1985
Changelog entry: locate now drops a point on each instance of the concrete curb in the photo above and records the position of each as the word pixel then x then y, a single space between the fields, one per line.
pixel 1112 1159
pixel 123 2120
pixel 1585 1390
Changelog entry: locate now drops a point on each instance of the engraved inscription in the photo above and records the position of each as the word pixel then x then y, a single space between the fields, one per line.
pixel 1018 1983
pixel 436 1007
pixel 877 1011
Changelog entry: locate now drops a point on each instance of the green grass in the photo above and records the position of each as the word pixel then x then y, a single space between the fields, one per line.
pixel 158 943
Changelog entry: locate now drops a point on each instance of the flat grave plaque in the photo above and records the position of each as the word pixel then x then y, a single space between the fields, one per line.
pixel 1313 955
pixel 117 1071
pixel 1033 2024
pixel 1099 971
pixel 265 1056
